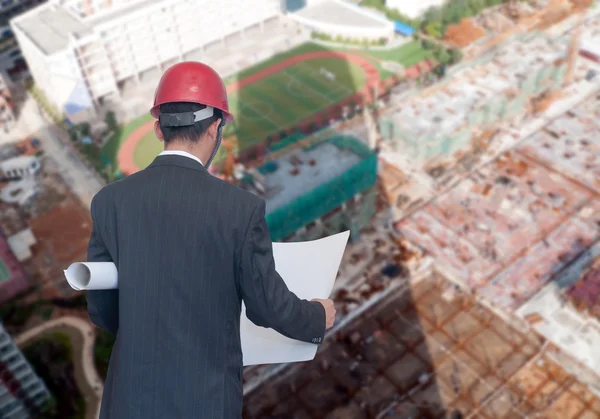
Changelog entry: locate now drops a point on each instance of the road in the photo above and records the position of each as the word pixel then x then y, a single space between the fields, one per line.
pixel 83 180
pixel 82 335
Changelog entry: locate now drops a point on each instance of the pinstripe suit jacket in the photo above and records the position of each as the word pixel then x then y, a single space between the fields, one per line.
pixel 188 248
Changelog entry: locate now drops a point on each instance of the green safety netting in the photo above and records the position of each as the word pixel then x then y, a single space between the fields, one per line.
pixel 286 220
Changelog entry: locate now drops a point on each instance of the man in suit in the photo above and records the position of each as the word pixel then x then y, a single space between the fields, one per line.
pixel 189 248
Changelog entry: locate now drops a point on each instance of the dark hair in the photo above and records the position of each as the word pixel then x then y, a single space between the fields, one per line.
pixel 190 133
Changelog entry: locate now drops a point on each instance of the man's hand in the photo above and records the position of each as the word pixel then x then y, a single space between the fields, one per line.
pixel 329 312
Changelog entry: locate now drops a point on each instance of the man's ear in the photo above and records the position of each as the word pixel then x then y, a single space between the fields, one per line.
pixel 214 128
pixel 158 132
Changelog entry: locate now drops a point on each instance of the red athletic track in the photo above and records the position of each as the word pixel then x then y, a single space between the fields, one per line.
pixel 126 159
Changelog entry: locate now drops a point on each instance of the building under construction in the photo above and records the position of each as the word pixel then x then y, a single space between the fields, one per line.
pixel 318 190
pixel 426 350
pixel 476 96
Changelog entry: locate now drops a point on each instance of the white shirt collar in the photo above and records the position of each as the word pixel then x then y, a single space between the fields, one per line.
pixel 180 153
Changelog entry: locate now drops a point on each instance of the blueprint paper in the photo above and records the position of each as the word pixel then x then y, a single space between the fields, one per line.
pixel 308 268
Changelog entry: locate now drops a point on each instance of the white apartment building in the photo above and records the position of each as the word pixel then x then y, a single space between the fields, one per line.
pixel 81 52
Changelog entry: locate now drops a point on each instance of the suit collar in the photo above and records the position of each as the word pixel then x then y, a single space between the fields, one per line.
pixel 177 160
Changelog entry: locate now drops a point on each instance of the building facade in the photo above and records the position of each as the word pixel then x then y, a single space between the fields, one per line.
pixel 81 53
pixel 21 390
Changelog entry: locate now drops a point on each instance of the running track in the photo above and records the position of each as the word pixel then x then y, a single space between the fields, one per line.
pixel 126 159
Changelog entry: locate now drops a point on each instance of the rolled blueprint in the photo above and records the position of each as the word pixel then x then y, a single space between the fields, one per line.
pixel 307 280
pixel 92 276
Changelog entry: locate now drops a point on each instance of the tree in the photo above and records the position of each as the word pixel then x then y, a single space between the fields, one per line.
pixel 351 108
pixel 73 135
pixel 111 121
pixel 433 14
pixel 455 56
pixel 443 57
pixel 434 29
pixel 85 129
pixel 440 70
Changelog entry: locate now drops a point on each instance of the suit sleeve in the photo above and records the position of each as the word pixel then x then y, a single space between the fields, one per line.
pixel 103 305
pixel 268 301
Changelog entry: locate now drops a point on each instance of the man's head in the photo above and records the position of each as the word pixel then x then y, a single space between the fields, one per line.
pixel 199 138
pixel 191 107
pixel 191 133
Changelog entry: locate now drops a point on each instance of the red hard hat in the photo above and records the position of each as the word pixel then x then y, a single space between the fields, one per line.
pixel 192 82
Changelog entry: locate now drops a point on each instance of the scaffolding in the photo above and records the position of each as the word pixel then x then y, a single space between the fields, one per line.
pixel 345 201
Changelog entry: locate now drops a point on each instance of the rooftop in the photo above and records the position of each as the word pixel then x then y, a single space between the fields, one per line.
pixel 591 37
pixel 50 27
pixel 572 327
pixel 571 144
pixel 301 171
pixel 425 350
pixel 585 293
pixel 476 91
pixel 335 12
pixel 124 10
pixel 507 228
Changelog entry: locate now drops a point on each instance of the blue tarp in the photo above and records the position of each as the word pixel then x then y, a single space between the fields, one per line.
pixel 78 101
pixel 73 108
pixel 403 29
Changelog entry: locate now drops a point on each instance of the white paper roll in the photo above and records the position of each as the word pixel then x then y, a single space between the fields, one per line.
pixel 92 276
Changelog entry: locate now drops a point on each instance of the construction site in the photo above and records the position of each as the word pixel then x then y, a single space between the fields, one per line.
pixel 471 284
pixel 43 226
pixel 493 179
pixel 432 137
pixel 476 99
pixel 426 349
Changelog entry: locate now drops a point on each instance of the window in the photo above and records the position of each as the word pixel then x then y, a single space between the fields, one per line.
pixel 20 368
pixel 12 359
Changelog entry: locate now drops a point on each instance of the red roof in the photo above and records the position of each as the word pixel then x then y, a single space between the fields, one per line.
pixel 585 293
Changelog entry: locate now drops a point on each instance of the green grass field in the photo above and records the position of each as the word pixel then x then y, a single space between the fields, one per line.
pixel 281 100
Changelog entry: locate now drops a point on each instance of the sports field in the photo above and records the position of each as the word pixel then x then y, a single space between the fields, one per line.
pixel 273 96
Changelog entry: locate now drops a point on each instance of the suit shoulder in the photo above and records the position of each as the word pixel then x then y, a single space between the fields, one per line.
pixel 247 199
pixel 110 190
